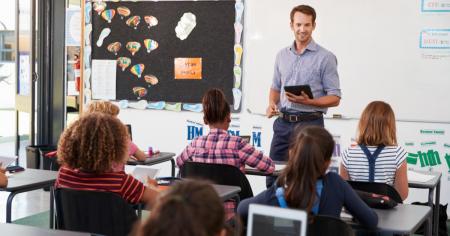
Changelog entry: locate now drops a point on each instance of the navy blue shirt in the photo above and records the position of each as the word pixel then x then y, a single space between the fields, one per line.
pixel 336 193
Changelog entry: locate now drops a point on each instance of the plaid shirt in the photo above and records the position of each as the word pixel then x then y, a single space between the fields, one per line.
pixel 219 147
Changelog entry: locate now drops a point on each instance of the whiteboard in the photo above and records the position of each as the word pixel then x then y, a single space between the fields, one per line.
pixel 377 44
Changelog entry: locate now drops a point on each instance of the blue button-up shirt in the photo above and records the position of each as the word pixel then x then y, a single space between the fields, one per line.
pixel 316 67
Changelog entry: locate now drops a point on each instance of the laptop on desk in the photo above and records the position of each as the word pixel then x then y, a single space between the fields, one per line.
pixel 246 138
pixel 275 221
pixel 129 131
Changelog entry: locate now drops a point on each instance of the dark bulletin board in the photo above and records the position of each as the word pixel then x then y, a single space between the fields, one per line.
pixel 212 39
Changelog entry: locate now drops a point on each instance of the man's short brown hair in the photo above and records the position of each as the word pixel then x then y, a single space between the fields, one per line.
pixel 305 9
pixel 93 143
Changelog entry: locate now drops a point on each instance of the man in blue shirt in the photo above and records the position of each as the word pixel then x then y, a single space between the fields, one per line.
pixel 302 63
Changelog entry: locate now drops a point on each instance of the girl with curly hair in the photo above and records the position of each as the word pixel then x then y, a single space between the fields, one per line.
pixel 87 151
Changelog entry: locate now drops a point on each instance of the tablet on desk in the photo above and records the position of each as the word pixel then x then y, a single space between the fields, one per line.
pixel 298 89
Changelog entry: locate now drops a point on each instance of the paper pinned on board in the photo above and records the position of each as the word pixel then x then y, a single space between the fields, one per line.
pixel 414 176
pixel 104 79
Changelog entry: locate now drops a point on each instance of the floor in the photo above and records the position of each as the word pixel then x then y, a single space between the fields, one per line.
pixel 25 204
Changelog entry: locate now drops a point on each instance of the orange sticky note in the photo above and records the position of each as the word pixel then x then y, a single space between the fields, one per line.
pixel 188 68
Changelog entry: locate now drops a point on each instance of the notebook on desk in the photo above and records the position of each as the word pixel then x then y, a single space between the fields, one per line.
pixel 141 172
pixel 6 161
pixel 414 176
pixel 274 221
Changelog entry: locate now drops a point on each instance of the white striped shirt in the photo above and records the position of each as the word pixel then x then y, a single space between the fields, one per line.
pixel 387 163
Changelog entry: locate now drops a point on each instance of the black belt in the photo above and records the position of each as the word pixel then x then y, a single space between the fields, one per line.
pixel 307 116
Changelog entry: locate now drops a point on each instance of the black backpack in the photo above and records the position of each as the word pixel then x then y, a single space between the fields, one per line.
pixel 442 231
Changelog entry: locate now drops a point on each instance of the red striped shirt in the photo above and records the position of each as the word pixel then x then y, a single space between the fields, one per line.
pixel 120 183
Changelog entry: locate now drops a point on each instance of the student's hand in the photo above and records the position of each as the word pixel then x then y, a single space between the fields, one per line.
pixel 152 182
pixel 2 170
pixel 133 158
pixel 272 110
pixel 301 99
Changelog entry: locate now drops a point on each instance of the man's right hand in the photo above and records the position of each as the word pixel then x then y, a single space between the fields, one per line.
pixel 272 110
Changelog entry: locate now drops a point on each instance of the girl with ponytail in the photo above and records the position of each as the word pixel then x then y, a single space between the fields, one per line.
pixel 304 183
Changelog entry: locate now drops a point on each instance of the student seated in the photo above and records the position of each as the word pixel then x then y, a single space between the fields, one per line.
pixel 189 208
pixel 377 136
pixel 3 178
pixel 218 146
pixel 304 183
pixel 109 108
pixel 87 151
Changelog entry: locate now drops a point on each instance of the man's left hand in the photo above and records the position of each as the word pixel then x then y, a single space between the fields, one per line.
pixel 301 99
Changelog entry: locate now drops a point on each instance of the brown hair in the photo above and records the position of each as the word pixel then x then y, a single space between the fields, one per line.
pixel 377 125
pixel 215 107
pixel 93 143
pixel 190 208
pixel 103 107
pixel 310 150
pixel 305 9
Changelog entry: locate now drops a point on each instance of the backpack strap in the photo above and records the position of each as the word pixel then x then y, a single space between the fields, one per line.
pixel 280 197
pixel 319 187
pixel 279 193
pixel 371 158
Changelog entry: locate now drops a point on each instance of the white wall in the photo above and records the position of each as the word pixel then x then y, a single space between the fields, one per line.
pixel 377 44
pixel 167 131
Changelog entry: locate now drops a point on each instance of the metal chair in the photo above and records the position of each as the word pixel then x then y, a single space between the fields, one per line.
pixel 219 174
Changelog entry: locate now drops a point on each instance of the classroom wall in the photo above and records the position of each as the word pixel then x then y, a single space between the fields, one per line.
pixel 171 131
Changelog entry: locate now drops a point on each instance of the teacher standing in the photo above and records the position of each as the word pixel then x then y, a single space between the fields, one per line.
pixel 302 63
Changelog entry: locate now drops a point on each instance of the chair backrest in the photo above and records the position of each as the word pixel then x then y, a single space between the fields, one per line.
pixel 219 174
pixel 378 188
pixel 96 212
pixel 329 226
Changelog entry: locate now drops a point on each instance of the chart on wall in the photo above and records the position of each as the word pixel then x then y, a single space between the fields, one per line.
pixel 164 51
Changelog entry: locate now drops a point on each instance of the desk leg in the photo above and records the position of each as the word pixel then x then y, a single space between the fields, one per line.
pixel 8 206
pixel 140 210
pixel 172 161
pixel 429 226
pixel 436 209
pixel 52 207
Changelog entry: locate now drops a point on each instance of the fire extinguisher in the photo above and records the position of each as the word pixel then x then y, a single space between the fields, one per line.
pixel 76 71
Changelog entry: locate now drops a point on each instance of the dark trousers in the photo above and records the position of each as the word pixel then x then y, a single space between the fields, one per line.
pixel 282 132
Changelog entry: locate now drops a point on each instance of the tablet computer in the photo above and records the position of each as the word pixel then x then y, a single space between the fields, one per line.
pixel 298 89
pixel 274 221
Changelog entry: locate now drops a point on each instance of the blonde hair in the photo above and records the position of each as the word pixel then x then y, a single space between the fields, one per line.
pixel 105 107
pixel 377 125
